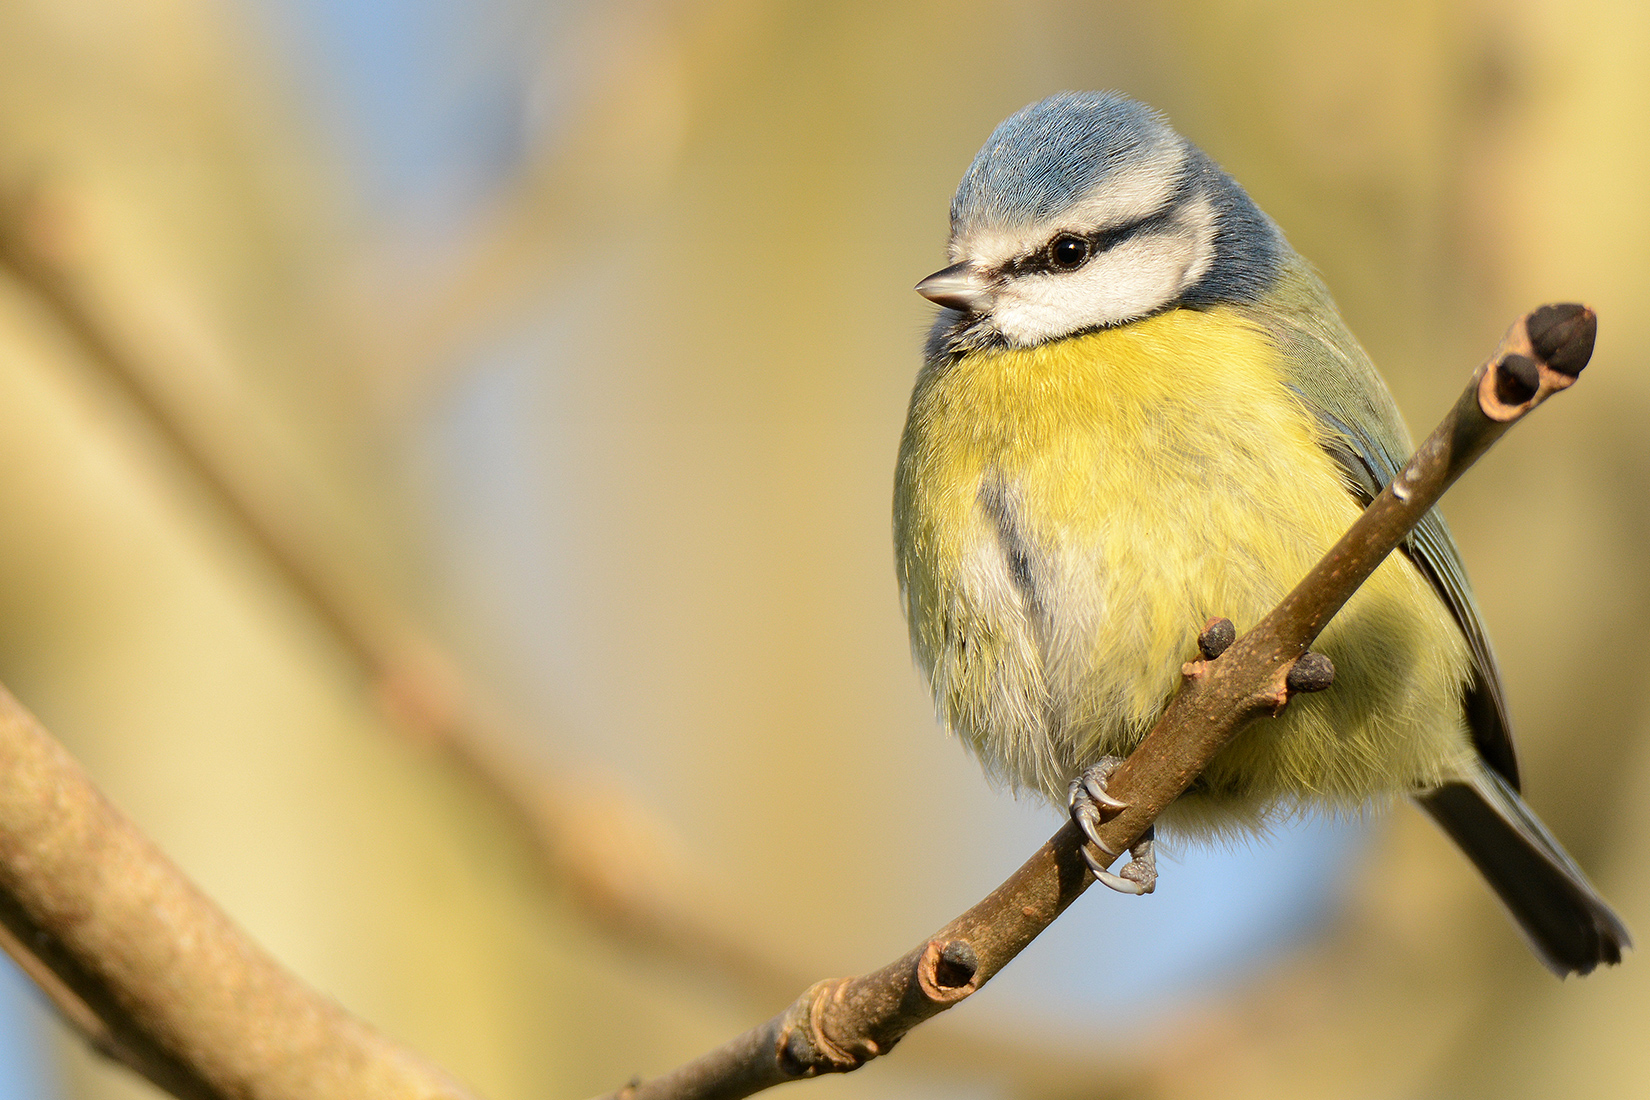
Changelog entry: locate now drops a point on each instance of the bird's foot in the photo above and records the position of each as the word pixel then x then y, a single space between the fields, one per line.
pixel 1085 801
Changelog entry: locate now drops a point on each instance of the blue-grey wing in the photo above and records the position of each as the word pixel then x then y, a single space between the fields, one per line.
pixel 1366 438
pixel 1369 467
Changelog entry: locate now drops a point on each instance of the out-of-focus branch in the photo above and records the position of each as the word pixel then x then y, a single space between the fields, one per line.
pixel 163 980
pixel 838 1025
pixel 413 677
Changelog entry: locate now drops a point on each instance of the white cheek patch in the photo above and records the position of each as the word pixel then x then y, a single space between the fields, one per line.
pixel 1127 281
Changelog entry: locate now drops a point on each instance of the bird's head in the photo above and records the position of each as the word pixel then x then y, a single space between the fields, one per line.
pixel 1086 210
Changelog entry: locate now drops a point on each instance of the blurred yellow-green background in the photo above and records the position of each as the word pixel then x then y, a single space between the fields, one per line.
pixel 583 332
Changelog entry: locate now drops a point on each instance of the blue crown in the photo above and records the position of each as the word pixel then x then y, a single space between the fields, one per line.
pixel 1044 158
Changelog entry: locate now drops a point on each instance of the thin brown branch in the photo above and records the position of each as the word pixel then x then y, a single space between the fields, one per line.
pixel 174 989
pixel 838 1025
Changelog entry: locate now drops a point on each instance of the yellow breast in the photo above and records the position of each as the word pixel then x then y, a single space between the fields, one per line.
pixel 1067 517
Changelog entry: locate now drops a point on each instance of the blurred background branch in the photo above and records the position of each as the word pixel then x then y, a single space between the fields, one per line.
pixel 155 974
pixel 599 843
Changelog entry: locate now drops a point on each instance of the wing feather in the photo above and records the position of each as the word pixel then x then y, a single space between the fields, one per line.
pixel 1366 437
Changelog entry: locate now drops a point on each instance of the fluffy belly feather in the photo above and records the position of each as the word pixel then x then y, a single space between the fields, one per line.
pixel 1067 518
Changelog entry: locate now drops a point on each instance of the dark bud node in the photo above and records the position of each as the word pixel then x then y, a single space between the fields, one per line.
pixel 956 965
pixel 1563 336
pixel 1216 638
pixel 1517 377
pixel 1313 672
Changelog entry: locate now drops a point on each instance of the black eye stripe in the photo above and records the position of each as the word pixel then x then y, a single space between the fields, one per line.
pixel 1099 241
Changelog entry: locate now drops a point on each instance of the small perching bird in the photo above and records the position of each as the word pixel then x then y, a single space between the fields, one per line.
pixel 1140 410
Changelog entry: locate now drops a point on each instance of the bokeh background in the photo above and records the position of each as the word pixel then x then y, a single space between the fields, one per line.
pixel 581 334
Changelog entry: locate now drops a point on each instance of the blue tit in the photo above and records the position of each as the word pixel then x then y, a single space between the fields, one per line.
pixel 1139 409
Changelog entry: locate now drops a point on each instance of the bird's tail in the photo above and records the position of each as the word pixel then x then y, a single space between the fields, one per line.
pixel 1569 926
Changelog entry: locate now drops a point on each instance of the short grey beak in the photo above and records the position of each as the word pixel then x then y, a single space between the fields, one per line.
pixel 958 287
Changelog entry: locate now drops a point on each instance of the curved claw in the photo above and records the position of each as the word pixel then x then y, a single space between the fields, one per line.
pixel 1085 799
pixel 1105 799
pixel 1107 878
pixel 1121 884
pixel 1092 783
pixel 1085 814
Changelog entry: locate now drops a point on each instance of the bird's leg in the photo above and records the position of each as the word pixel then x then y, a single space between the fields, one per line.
pixel 1086 797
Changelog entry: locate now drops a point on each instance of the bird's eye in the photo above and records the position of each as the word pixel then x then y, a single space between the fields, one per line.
pixel 1068 253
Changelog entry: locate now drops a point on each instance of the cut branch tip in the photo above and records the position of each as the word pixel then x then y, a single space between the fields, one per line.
pixel 1517 379
pixel 1562 336
pixel 1543 352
